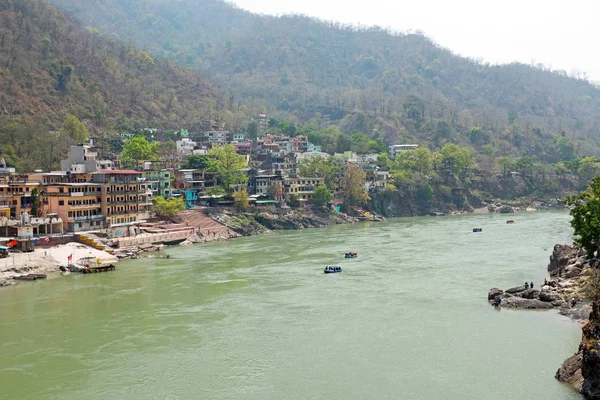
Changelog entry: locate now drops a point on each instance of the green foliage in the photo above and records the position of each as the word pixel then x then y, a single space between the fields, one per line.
pixel 252 130
pixel 35 202
pixel 322 196
pixel 241 199
pixel 352 191
pixel 139 149
pixel 457 157
pixel 197 161
pixel 586 221
pixel 167 208
pixel 417 160
pixel 216 191
pixel 319 167
pixel 228 165
pixel 75 129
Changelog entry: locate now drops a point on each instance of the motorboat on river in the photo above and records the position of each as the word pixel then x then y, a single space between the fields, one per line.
pixel 350 254
pixel 332 270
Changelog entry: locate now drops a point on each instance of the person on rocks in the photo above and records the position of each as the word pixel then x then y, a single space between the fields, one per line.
pixel 531 285
pixel 526 285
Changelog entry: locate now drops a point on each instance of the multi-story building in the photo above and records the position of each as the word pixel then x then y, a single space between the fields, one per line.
pixel 185 147
pixel 83 160
pixel 158 181
pixel 268 185
pixel 244 148
pixel 299 144
pixel 263 122
pixel 303 188
pixel 190 184
pixel 121 196
pixel 79 205
pixel 399 148
pixel 16 195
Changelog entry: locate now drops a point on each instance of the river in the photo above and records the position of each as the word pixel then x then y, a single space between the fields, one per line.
pixel 256 318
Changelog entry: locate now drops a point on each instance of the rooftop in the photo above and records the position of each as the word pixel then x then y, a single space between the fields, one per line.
pixel 119 172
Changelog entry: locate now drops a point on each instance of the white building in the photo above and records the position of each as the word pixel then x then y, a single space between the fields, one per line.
pixel 399 148
pixel 82 160
pixel 185 147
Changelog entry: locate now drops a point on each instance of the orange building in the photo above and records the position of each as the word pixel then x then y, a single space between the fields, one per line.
pixel 121 197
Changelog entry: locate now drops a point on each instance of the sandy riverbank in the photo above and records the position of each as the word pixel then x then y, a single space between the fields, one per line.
pixel 47 261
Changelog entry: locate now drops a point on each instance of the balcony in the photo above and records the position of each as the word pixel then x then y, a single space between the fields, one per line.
pixel 88 218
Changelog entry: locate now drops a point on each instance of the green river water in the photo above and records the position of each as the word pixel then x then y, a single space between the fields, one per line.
pixel 256 318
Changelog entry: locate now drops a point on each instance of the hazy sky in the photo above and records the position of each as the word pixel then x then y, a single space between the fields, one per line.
pixel 561 34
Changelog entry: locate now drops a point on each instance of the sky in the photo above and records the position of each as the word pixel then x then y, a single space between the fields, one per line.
pixel 559 34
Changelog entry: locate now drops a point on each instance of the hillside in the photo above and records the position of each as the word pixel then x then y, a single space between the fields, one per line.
pixel 51 66
pixel 400 87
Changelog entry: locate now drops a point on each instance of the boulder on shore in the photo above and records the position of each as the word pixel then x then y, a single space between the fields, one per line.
pixel 516 289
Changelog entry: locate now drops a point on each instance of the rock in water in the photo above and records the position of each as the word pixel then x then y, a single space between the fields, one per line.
pixel 494 292
pixel 516 290
pixel 519 302
pixel 548 295
pixel 570 371
pixel 529 293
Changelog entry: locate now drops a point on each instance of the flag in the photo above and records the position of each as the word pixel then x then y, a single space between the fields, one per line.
pixel 46 239
pixel 70 258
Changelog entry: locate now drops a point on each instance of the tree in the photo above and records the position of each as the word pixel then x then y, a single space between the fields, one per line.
pixel 215 191
pixel 167 208
pixel 322 196
pixel 589 167
pixel 75 129
pixel 506 165
pixel 137 149
pixel 459 157
pixel 35 202
pixel 167 151
pixel 360 143
pixel 586 221
pixel 293 200
pixel 241 199
pixel 320 167
pixel 417 160
pixel 252 130
pixel 352 186
pixel 197 161
pixel 228 165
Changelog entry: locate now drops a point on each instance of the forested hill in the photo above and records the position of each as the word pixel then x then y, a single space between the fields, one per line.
pixel 400 87
pixel 51 66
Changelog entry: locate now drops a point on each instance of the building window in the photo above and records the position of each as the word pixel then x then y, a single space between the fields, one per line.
pixel 61 202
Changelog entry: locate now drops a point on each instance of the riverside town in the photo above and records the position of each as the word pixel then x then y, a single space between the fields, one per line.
pixel 209 199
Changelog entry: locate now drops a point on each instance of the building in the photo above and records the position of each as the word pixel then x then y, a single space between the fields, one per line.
pixel 185 147
pixel 83 160
pixel 299 144
pixel 303 188
pixel 79 205
pixel 268 185
pixel 244 148
pixel 263 122
pixel 157 178
pixel 190 183
pixel 399 148
pixel 121 196
pixel 239 137
pixel 219 137
pixel 16 195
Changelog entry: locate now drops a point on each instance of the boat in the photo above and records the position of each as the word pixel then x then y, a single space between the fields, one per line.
pixel 510 221
pixel 477 229
pixel 332 270
pixel 29 277
pixel 93 270
pixel 350 254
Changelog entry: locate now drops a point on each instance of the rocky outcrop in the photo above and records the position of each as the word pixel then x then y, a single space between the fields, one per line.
pixel 493 293
pixel 267 220
pixel 564 257
pixel 570 371
pixel 590 357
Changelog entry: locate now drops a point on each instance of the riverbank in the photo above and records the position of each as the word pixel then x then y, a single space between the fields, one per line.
pixel 570 276
pixel 47 261
pixel 266 221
